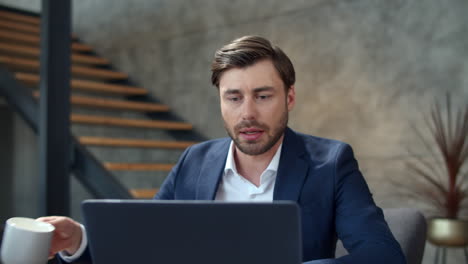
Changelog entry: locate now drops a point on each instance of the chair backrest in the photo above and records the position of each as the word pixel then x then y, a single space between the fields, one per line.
pixel 409 228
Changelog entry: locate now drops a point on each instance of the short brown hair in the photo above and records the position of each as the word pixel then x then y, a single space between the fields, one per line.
pixel 248 50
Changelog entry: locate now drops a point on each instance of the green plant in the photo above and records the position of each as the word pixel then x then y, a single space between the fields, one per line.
pixel 441 181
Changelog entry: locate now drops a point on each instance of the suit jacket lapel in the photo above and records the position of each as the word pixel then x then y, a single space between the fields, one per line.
pixel 211 171
pixel 292 169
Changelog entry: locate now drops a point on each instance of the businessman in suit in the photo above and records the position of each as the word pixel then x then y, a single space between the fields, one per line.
pixel 264 160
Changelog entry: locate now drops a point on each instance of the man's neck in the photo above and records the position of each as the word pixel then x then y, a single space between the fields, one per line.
pixel 251 167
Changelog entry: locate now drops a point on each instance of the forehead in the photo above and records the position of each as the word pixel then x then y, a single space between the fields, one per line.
pixel 260 74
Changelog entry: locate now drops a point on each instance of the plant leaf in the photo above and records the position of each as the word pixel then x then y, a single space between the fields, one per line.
pixel 427 177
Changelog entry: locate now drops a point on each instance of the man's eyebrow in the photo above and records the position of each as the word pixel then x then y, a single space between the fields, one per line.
pixel 263 89
pixel 231 91
pixel 255 90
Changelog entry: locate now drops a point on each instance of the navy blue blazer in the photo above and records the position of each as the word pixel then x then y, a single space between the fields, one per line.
pixel 322 176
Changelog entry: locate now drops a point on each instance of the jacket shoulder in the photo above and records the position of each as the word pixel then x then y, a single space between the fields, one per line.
pixel 319 148
pixel 209 146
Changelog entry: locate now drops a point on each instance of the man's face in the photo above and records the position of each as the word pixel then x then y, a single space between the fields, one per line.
pixel 255 106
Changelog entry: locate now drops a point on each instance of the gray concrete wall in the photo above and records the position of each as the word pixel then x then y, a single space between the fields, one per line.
pixel 366 69
pixel 18 167
pixel 25 169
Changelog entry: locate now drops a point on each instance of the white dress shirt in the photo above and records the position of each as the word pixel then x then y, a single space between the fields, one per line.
pixel 84 243
pixel 232 187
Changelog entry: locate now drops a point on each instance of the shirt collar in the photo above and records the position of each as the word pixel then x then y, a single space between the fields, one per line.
pixel 231 164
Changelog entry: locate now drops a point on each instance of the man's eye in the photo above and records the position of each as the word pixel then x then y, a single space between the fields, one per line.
pixel 233 99
pixel 264 97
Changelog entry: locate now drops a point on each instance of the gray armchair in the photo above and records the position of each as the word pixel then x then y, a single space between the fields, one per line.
pixel 409 228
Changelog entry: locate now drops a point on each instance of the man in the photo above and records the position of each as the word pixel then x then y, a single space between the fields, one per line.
pixel 264 160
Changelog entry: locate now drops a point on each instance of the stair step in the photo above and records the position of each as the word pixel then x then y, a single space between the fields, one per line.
pixel 76 70
pixel 34 29
pixel 14 22
pixel 98 73
pixel 35 52
pixel 117 104
pixel 85 85
pixel 107 88
pixel 12 35
pixel 123 122
pixel 134 143
pixel 88 101
pixel 17 21
pixel 138 166
pixel 81 47
pixel 35 40
pixel 143 193
pixel 86 59
pixel 20 17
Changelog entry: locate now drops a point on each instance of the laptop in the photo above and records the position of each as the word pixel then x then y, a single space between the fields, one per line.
pixel 192 232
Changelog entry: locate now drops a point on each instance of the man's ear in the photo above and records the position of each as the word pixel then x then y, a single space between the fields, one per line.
pixel 291 97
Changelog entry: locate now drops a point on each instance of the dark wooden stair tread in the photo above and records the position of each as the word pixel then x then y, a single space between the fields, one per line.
pixel 35 40
pixel 86 85
pixel 12 25
pixel 80 47
pixel 20 17
pixel 98 73
pixel 17 36
pixel 136 143
pixel 123 122
pixel 143 193
pixel 97 102
pixel 117 104
pixel 21 22
pixel 76 70
pixel 35 52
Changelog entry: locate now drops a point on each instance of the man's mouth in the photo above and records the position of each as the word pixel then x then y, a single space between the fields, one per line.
pixel 251 133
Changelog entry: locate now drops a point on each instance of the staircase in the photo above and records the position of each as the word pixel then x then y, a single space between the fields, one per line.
pixel 134 136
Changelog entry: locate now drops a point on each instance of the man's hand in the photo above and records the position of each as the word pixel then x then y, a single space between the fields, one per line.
pixel 67 234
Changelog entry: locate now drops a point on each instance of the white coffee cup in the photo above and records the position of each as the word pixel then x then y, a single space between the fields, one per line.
pixel 26 240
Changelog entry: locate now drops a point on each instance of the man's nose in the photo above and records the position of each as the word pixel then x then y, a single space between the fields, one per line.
pixel 249 109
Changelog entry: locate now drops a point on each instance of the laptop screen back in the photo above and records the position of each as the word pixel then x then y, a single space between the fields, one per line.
pixel 181 232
